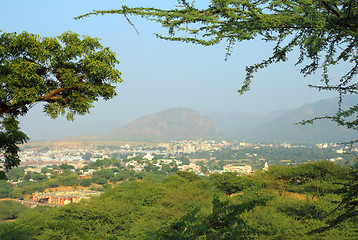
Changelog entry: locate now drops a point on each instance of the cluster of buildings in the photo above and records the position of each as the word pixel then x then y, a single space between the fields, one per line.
pixel 192 166
pixel 63 198
pixel 45 156
pixel 78 156
pixel 75 155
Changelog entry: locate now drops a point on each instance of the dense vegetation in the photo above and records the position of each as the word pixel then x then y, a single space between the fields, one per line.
pixel 281 203
pixel 10 210
pixel 107 171
pixel 67 73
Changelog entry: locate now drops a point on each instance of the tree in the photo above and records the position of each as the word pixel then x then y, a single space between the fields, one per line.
pixel 5 189
pixel 325 32
pixel 16 173
pixel 53 183
pixel 65 166
pixel 104 173
pixel 70 180
pixel 86 182
pixel 10 210
pixel 67 73
pixel 44 170
pixel 165 168
pixel 35 176
pixel 349 203
pixel 99 180
pixel 228 182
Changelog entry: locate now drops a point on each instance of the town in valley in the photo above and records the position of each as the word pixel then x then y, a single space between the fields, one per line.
pixel 87 168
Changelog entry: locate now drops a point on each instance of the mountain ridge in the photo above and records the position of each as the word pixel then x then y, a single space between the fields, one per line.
pixel 170 124
pixel 283 125
pixel 278 126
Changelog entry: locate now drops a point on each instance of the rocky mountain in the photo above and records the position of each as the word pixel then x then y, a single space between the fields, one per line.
pixel 172 124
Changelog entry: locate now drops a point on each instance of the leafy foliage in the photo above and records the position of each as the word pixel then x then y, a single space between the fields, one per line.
pixel 229 182
pixel 5 189
pixel 186 206
pixel 67 73
pixel 10 210
pixel 129 211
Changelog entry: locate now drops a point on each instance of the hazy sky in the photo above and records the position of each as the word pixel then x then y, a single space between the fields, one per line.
pixel 157 74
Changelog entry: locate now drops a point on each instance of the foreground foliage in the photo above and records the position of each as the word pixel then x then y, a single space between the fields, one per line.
pixel 10 210
pixel 267 205
pixel 67 73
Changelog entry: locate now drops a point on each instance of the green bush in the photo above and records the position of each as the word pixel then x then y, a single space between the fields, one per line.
pixel 86 182
pixel 10 210
pixel 5 189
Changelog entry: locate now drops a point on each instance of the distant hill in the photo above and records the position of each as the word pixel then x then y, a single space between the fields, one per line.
pixel 281 126
pixel 172 124
pixel 234 124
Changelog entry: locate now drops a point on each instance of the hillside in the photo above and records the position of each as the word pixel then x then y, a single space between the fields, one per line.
pixel 234 124
pixel 281 126
pixel 172 124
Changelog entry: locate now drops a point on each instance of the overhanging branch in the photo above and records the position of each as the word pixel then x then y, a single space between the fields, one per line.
pixel 50 97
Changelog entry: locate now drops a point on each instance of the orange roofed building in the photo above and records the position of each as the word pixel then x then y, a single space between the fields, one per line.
pixel 63 198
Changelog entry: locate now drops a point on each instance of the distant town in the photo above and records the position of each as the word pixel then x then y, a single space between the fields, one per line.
pixel 201 157
pixel 55 173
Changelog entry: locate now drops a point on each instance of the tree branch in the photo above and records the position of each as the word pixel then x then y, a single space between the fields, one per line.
pixel 50 97
pixel 9 109
pixel 58 77
pixel 330 8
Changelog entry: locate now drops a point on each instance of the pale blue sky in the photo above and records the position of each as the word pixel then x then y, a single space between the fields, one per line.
pixel 157 74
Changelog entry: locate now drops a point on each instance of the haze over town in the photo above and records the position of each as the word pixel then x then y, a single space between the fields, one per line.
pixel 157 75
